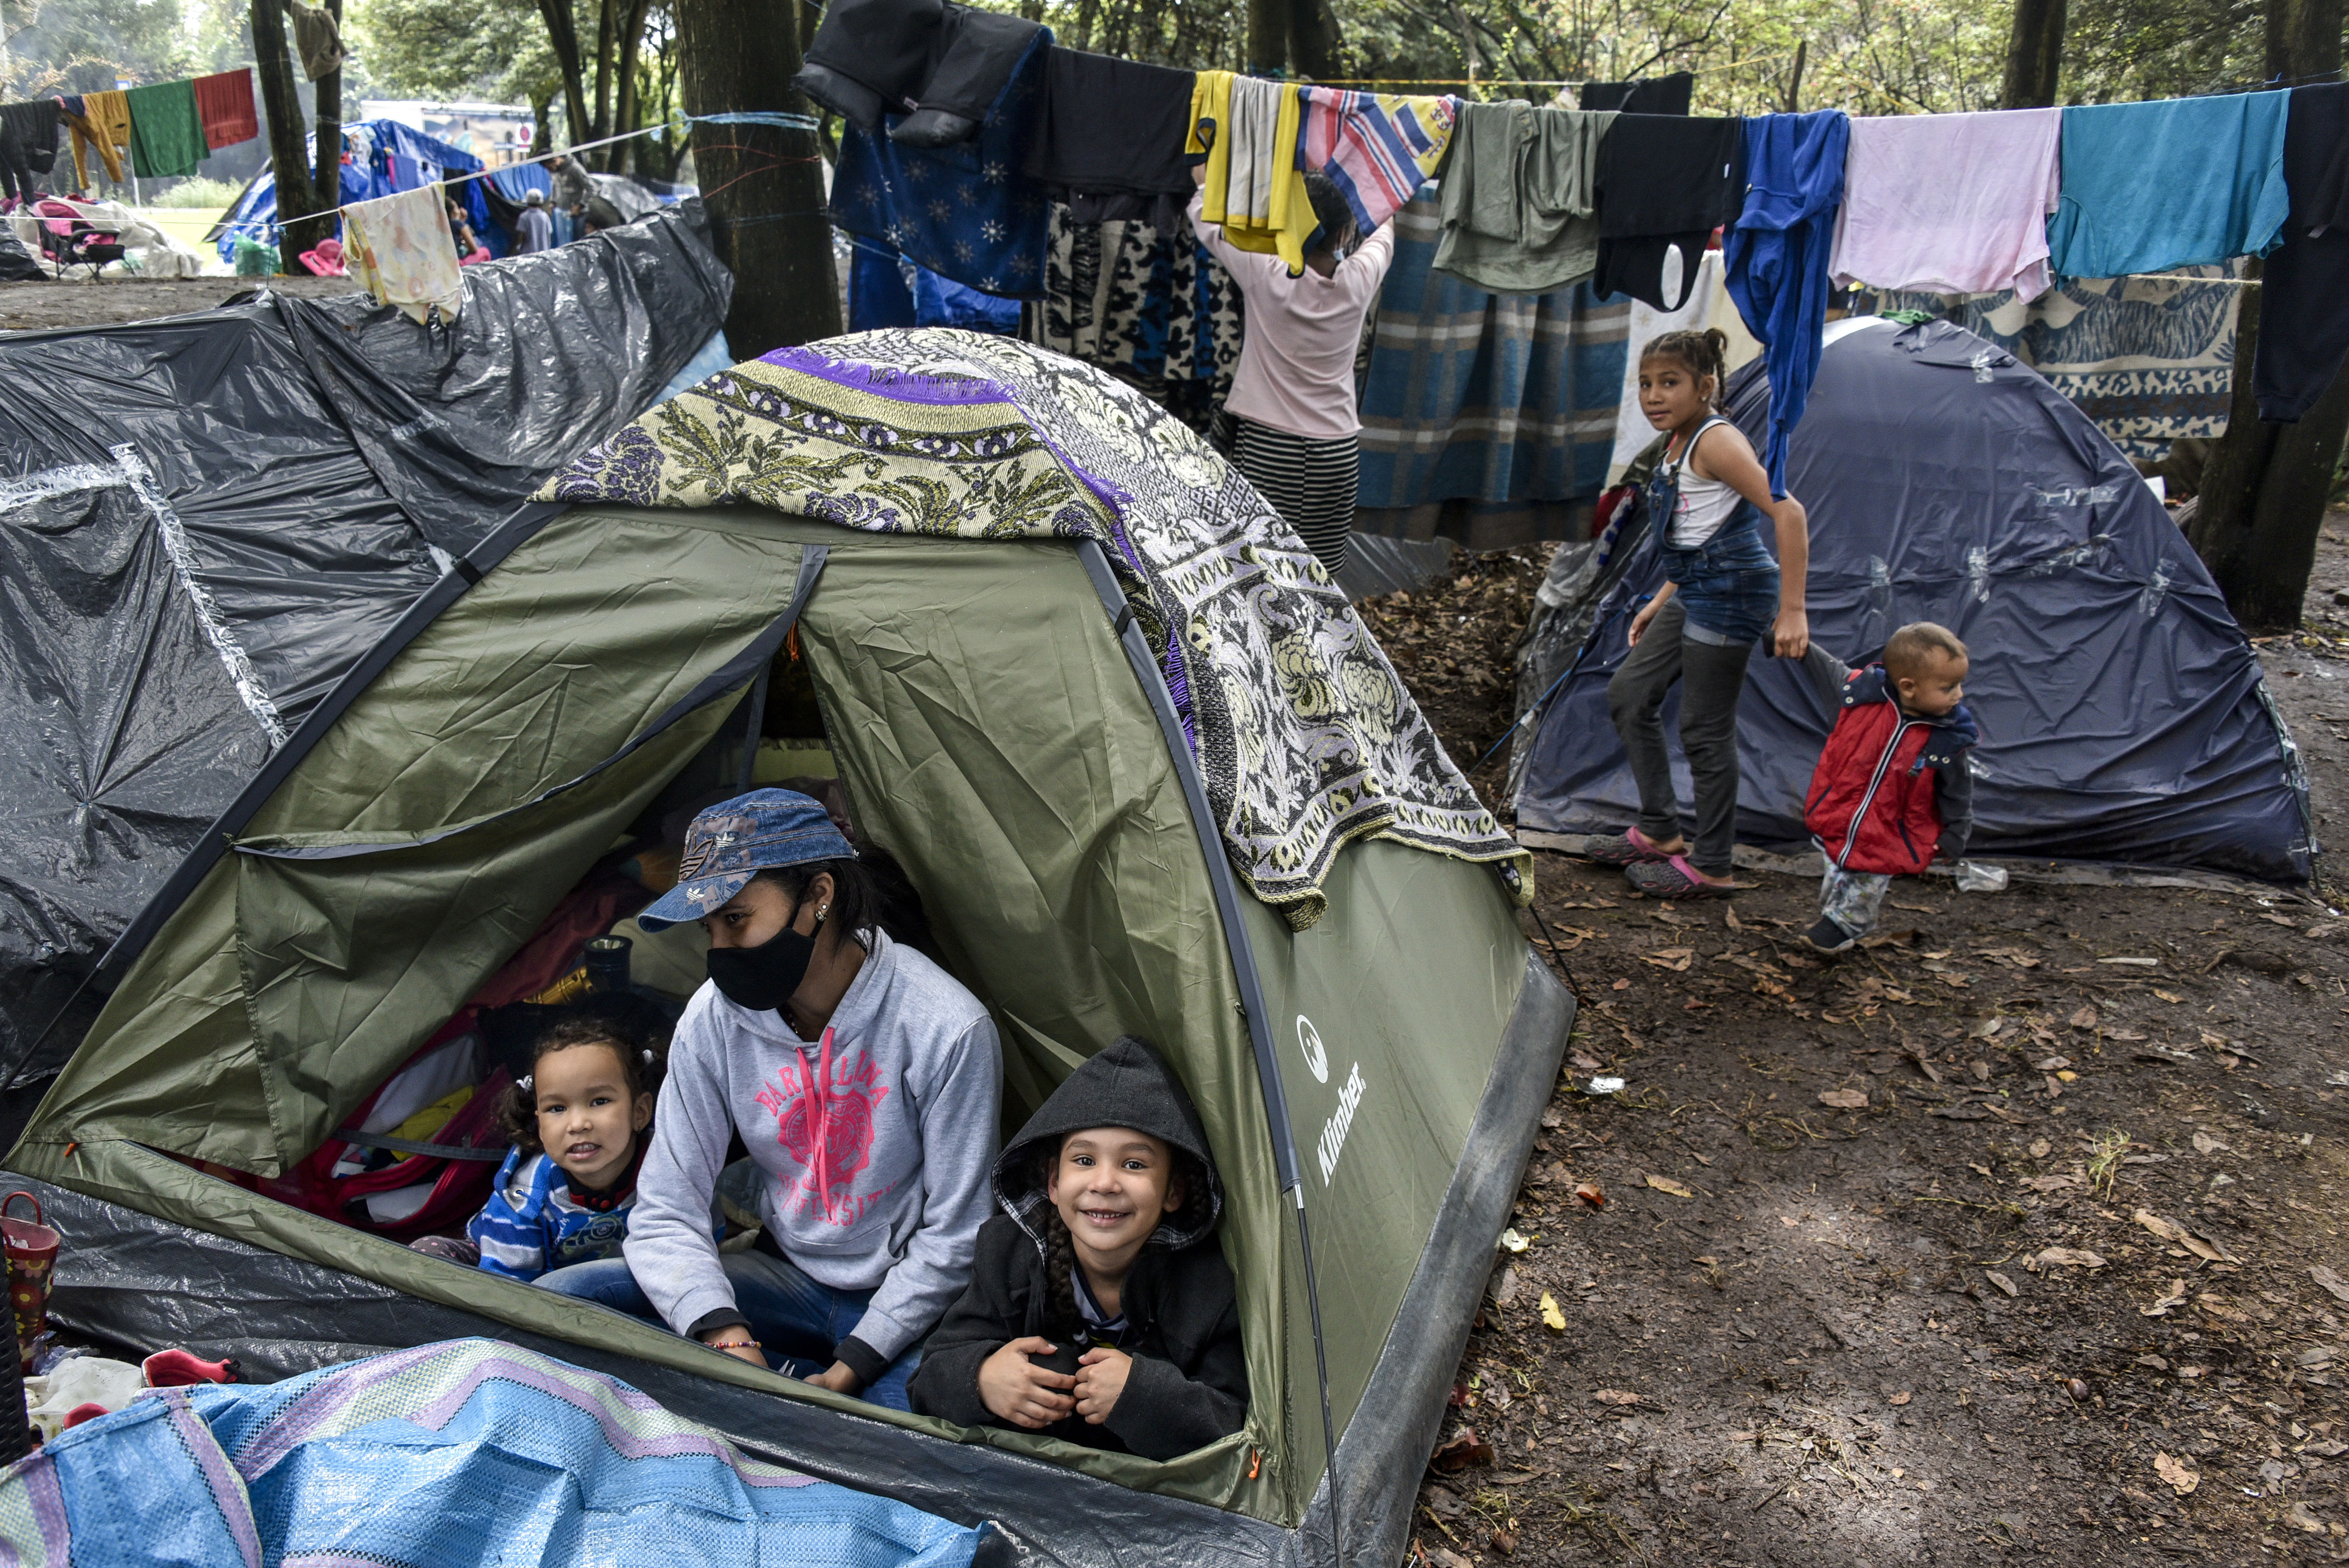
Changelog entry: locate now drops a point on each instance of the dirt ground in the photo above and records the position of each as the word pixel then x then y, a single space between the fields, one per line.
pixel 2011 1238
pixel 38 307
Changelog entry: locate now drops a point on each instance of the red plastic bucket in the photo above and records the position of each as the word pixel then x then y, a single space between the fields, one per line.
pixel 31 1252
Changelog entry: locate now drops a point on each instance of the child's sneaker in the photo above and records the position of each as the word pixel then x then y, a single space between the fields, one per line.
pixel 1827 937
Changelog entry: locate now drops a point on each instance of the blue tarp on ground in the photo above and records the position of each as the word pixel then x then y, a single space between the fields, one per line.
pixel 2124 717
pixel 398 158
pixel 465 1453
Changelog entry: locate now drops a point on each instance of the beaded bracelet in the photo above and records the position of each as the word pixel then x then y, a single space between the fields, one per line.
pixel 734 1345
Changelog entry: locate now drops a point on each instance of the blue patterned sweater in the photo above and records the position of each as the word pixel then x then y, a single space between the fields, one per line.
pixel 534 1221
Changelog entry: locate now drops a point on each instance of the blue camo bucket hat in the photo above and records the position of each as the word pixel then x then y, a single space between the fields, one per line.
pixel 734 841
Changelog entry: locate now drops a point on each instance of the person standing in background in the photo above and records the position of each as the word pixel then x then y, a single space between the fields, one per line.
pixel 572 190
pixel 537 228
pixel 1299 436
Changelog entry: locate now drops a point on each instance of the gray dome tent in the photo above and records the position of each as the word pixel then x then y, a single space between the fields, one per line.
pixel 1144 766
pixel 2122 714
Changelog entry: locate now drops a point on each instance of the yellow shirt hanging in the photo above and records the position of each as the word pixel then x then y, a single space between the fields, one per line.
pixel 1248 128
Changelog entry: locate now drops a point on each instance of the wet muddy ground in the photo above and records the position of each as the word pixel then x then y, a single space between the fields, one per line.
pixel 39 306
pixel 2012 1237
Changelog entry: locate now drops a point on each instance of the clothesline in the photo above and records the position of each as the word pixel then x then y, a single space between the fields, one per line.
pixel 1526 81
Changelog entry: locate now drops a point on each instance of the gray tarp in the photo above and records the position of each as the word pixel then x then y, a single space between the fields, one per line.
pixel 2122 710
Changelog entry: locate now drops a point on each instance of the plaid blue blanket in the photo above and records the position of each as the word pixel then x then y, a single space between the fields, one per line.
pixel 1484 397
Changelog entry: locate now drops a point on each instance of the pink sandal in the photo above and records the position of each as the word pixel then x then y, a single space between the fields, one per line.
pixel 1672 877
pixel 1629 848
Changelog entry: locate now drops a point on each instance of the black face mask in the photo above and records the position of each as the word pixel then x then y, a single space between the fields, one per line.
pixel 762 978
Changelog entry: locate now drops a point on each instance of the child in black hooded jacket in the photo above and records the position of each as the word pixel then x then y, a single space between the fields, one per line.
pixel 1100 1310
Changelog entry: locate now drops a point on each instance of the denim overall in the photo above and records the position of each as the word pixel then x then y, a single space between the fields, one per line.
pixel 1729 584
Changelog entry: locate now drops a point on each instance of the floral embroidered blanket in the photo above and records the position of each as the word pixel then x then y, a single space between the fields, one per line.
pixel 1305 739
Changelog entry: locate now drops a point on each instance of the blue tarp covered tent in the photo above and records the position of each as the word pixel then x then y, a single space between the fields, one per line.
pixel 379 156
pixel 2124 717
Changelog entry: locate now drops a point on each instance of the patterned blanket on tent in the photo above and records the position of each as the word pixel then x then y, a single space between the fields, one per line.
pixel 468 1452
pixel 1305 738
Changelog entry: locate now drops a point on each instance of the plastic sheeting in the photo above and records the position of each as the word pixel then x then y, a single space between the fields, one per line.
pixel 212 516
pixel 2122 714
pixel 465 1452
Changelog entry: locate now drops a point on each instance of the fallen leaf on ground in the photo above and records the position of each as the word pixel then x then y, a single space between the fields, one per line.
pixel 2297 1514
pixel 1675 959
pixel 1514 1241
pixel 2001 1280
pixel 2051 1064
pixel 2054 1181
pixel 1983 1028
pixel 1505 1541
pixel 1592 1193
pixel 2331 1281
pixel 2206 1144
pixel 2085 1018
pixel 1924 1066
pixel 1616 1397
pixel 2181 1480
pixel 1465 1449
pixel 2179 1236
pixel 2058 1257
pixel 1445 1557
pixel 1666 1185
pixel 1551 1314
pixel 1845 1098
pixel 1891 939
pixel 1729 918
pixel 2134 963
pixel 1588 1064
pixel 2167 995
pixel 2039 1148
pixel 1621 986
pixel 1901 1398
pixel 1516 1478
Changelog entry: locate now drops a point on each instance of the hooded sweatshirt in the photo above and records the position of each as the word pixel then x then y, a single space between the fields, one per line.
pixel 874 1142
pixel 1188 1383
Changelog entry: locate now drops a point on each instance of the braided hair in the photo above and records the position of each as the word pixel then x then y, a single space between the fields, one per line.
pixel 1704 353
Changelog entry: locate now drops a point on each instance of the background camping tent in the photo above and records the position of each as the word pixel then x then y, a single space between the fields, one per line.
pixel 379 156
pixel 215 516
pixel 2122 710
pixel 1006 729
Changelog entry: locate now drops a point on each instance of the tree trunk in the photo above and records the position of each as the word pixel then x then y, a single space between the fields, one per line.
pixel 600 125
pixel 1314 40
pixel 1795 79
pixel 289 159
pixel 2034 55
pixel 564 37
pixel 327 180
pixel 624 118
pixel 2264 490
pixel 1267 37
pixel 766 216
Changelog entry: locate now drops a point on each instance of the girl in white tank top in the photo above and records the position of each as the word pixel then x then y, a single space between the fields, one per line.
pixel 1704 504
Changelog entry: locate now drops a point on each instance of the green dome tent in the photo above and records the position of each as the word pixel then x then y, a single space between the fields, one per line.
pixel 1143 765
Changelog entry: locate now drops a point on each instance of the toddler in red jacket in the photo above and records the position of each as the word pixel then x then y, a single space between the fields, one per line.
pixel 1893 787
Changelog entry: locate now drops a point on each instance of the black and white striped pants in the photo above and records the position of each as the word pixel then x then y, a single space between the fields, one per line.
pixel 1310 483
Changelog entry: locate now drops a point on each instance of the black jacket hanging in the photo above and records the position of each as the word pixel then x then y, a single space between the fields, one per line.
pixel 2304 297
pixel 1113 127
pixel 1652 94
pixel 938 64
pixel 1665 182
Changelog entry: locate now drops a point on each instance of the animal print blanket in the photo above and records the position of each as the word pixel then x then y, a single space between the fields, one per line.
pixel 1305 739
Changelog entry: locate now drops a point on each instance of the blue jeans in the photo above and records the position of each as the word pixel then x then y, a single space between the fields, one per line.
pixel 796 1319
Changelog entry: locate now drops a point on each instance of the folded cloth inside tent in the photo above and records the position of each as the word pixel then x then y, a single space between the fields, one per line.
pixel 224 105
pixel 1376 148
pixel 1249 129
pixel 401 248
pixel 964 211
pixel 1954 203
pixel 1112 127
pixel 1665 183
pixel 2305 293
pixel 938 64
pixel 1305 738
pixel 93 128
pixel 1520 197
pixel 2175 183
pixel 167 136
pixel 1480 396
pixel 1654 94
pixel 1777 254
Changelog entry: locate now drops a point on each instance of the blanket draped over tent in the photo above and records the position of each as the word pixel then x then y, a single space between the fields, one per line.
pixel 1305 738
pixel 462 1452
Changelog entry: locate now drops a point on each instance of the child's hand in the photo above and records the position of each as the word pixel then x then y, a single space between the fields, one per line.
pixel 1640 621
pixel 1790 635
pixel 1017 1390
pixel 1101 1378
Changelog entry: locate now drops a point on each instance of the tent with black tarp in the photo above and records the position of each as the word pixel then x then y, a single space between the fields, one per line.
pixel 1137 755
pixel 2124 715
pixel 211 518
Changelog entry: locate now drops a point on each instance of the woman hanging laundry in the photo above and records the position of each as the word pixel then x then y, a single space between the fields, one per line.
pixel 1299 438
pixel 1723 591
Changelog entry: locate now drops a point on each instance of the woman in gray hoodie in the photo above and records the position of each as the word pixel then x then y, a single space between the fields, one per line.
pixel 863 1078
